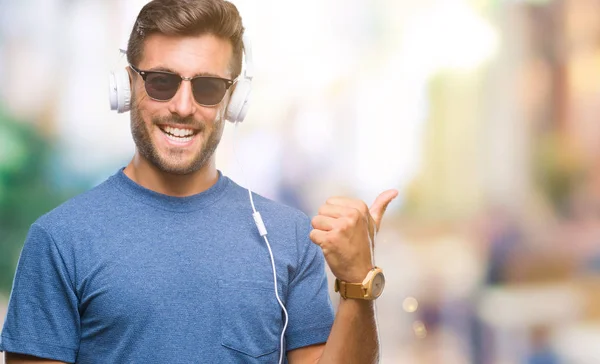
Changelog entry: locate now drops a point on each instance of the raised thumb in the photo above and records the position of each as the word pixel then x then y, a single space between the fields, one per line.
pixel 380 204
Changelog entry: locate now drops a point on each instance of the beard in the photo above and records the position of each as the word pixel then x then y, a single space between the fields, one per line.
pixel 173 161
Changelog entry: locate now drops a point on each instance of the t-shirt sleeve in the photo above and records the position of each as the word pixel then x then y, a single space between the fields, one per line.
pixel 308 303
pixel 42 318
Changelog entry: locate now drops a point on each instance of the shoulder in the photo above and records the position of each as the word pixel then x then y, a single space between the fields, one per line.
pixel 267 207
pixel 87 206
pixel 288 228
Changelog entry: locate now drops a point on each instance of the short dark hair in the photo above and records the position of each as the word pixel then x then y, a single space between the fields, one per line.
pixel 188 18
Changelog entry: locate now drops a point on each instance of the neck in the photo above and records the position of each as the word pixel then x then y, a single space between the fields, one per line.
pixel 149 176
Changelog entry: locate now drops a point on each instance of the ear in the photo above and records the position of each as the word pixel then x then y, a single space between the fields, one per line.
pixel 131 74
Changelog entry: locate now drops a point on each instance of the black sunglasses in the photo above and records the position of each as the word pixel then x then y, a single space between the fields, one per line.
pixel 162 86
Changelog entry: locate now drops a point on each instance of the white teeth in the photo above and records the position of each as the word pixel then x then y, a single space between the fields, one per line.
pixel 179 139
pixel 179 132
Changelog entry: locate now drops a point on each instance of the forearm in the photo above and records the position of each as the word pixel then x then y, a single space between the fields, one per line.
pixel 353 337
pixel 13 358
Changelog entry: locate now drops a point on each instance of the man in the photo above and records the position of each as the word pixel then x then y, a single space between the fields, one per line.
pixel 162 263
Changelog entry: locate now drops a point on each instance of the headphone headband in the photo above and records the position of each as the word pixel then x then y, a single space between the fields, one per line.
pixel 249 62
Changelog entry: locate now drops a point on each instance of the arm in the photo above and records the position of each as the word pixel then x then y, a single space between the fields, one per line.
pixel 42 317
pixel 344 229
pixel 353 328
pixel 353 337
pixel 13 358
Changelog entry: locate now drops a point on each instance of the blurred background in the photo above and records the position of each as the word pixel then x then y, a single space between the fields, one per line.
pixel 482 113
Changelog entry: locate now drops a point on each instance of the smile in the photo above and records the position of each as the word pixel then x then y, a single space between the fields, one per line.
pixel 178 135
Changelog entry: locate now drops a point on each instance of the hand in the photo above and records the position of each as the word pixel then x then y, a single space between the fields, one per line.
pixel 344 229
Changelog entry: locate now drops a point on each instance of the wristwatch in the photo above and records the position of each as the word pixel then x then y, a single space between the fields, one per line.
pixel 370 288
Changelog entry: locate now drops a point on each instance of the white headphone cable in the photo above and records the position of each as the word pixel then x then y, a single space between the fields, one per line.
pixel 371 246
pixel 263 232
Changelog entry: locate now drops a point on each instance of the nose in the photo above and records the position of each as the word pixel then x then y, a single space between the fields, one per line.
pixel 183 103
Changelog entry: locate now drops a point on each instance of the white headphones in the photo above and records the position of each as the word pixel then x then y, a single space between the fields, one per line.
pixel 120 89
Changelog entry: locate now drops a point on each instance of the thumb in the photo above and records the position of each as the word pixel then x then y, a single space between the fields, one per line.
pixel 380 204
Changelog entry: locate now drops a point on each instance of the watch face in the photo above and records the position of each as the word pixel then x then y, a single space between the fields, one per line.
pixel 378 284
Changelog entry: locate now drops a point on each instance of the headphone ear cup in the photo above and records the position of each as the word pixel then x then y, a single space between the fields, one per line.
pixel 239 101
pixel 119 91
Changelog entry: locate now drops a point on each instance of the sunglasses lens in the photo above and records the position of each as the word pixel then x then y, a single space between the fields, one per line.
pixel 162 86
pixel 209 91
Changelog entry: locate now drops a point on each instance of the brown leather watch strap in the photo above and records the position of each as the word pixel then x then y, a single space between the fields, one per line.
pixel 350 290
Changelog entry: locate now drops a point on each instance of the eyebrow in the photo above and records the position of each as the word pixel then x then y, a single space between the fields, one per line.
pixel 167 69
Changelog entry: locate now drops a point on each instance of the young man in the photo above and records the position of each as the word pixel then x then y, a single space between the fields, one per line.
pixel 162 263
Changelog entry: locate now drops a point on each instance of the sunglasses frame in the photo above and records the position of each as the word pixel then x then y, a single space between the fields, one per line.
pixel 144 74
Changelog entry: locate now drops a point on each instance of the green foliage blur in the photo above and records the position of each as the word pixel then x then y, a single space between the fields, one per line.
pixel 26 189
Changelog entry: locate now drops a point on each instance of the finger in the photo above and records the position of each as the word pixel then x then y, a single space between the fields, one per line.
pixel 319 237
pixel 380 204
pixel 324 223
pixel 349 202
pixel 335 211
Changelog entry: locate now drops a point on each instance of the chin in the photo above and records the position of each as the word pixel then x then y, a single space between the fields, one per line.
pixel 178 169
pixel 181 167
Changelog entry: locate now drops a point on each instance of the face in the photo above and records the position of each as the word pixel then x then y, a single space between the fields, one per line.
pixel 179 136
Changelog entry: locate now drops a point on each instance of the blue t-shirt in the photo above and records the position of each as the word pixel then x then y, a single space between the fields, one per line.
pixel 122 274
